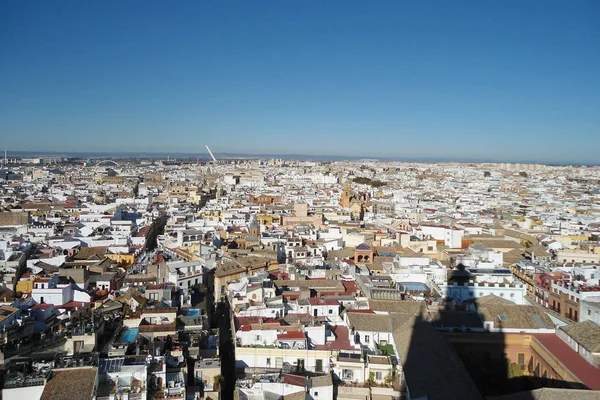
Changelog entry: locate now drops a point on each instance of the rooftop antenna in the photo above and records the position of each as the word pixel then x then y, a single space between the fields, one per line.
pixel 5 153
pixel 210 152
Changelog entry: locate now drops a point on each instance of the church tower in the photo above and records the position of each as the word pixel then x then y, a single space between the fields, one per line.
pixel 346 195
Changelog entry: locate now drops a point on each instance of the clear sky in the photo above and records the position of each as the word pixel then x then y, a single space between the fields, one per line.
pixel 499 79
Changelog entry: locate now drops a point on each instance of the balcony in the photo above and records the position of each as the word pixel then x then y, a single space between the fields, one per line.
pixel 164 395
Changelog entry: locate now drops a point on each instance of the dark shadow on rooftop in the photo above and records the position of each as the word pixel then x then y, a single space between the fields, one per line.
pixel 450 354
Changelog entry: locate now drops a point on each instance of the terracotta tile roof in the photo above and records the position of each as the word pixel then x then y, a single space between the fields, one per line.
pixel 515 316
pixel 369 322
pixel 551 394
pixel 402 306
pixel 369 311
pixel 586 333
pixel 322 302
pixel 87 253
pixel 71 384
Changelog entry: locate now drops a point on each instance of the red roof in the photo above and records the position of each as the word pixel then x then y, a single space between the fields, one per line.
pixel 41 306
pixel 589 375
pixel 350 286
pixel 294 380
pixel 142 232
pixel 292 335
pixel 241 321
pixel 280 275
pixel 341 342
pixel 290 295
pixel 321 302
pixel 73 305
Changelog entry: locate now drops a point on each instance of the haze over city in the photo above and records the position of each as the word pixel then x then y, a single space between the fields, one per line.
pixel 506 81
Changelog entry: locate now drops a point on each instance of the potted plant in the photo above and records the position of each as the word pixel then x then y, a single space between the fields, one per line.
pixel 217 381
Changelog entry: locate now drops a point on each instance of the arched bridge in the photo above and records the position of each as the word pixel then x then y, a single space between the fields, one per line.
pixel 107 162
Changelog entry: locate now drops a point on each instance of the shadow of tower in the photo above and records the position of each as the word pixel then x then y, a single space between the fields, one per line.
pixel 449 355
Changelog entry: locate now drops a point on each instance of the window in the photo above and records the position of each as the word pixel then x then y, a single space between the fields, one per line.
pixel 316 394
pixel 378 375
pixel 319 366
pixel 347 374
pixel 268 362
pixel 589 312
pixel 330 311
pixel 366 338
pixel 521 358
pixel 258 338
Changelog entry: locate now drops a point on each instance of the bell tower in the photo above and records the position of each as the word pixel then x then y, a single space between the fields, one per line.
pixel 346 195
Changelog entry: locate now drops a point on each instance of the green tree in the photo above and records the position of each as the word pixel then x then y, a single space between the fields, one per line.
pixel 388 378
pixel 487 174
pixel 514 371
pixel 371 380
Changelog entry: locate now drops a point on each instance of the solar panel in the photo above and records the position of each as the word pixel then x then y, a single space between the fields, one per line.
pixel 110 364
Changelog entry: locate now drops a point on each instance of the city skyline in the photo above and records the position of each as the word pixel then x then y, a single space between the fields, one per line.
pixel 205 156
pixel 509 82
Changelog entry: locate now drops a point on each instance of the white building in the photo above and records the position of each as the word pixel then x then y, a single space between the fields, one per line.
pixel 514 292
pixel 185 273
pixel 452 236
pixel 590 309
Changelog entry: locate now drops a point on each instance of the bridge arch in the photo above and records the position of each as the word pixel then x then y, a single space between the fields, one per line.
pixel 106 162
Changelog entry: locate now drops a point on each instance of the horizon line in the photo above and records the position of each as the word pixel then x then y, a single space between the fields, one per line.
pixel 293 156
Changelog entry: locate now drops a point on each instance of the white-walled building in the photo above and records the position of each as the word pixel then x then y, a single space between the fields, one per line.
pixel 514 292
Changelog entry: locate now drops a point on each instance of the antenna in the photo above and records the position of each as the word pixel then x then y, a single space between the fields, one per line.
pixel 210 152
pixel 5 152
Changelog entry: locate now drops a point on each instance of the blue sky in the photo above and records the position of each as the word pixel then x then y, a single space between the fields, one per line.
pixel 506 80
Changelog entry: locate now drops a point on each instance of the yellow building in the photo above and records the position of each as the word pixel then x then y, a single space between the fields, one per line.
pixel 122 259
pixel 268 219
pixel 24 286
pixel 346 196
